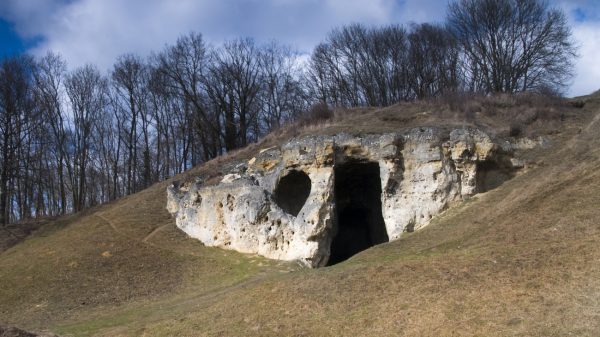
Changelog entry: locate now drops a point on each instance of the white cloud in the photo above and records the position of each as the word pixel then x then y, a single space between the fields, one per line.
pixel 30 16
pixel 584 16
pixel 420 11
pixel 373 11
pixel 587 79
pixel 97 31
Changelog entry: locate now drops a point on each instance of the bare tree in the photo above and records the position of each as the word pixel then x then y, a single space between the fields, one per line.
pixel 166 118
pixel 49 82
pixel 282 96
pixel 220 92
pixel 130 81
pixel 233 87
pixel 433 57
pixel 360 66
pixel 109 143
pixel 184 64
pixel 513 45
pixel 17 126
pixel 317 75
pixel 87 91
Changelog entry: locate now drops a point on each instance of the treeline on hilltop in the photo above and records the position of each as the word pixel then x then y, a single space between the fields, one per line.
pixel 71 139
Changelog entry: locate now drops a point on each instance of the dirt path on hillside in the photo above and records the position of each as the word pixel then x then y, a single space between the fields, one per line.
pixel 203 297
pixel 192 300
pixel 154 231
pixel 571 143
pixel 594 121
pixel 144 240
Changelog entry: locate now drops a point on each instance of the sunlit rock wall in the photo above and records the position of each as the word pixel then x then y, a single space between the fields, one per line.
pixel 268 206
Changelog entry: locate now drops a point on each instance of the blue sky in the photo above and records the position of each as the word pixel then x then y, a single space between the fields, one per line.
pixel 97 31
pixel 9 40
pixel 12 43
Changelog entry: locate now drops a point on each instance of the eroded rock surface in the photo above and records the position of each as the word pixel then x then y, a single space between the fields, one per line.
pixel 282 203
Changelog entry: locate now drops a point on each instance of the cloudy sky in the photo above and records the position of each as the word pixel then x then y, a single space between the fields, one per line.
pixel 97 31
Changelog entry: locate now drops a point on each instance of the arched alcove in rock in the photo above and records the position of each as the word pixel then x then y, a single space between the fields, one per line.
pixel 292 191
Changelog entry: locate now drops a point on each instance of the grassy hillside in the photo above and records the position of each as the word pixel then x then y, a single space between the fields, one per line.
pixel 520 260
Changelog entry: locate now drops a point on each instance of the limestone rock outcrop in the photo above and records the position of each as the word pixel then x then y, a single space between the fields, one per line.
pixel 282 204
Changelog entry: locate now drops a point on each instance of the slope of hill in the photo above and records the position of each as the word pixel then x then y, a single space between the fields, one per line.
pixel 518 260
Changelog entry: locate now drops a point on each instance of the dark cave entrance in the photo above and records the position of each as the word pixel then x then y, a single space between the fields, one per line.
pixel 359 221
pixel 490 175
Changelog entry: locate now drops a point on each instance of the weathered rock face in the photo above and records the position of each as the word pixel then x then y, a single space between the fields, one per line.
pixel 283 203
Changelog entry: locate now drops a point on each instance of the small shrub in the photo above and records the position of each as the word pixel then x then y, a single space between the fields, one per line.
pixel 318 112
pixel 578 104
pixel 528 116
pixel 470 112
pixel 457 100
pixel 516 129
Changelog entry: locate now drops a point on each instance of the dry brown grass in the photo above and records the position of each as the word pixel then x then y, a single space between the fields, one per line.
pixel 104 258
pixel 14 233
pixel 534 115
pixel 521 260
